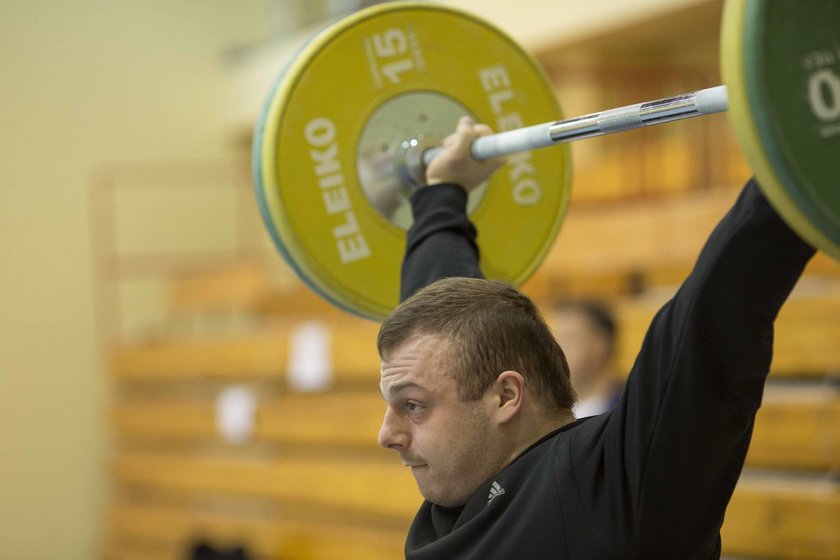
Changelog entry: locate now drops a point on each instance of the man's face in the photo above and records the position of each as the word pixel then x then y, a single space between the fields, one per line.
pixel 451 446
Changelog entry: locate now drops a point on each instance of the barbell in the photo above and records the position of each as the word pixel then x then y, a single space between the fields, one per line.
pixel 356 115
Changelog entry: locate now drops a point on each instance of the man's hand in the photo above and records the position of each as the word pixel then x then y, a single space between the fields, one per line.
pixel 456 165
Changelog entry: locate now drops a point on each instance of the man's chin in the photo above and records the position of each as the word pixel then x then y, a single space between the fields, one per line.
pixel 448 504
pixel 440 499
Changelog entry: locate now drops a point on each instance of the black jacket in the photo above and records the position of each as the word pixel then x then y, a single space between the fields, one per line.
pixel 650 479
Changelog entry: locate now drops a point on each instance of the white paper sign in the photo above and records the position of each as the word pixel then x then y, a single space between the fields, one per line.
pixel 235 410
pixel 310 358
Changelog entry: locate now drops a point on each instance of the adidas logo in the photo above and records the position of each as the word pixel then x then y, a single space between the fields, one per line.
pixel 495 491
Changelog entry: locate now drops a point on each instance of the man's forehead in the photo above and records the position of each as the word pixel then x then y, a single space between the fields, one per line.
pixel 395 388
pixel 420 362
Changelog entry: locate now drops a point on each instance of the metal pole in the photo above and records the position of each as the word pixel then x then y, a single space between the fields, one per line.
pixel 702 102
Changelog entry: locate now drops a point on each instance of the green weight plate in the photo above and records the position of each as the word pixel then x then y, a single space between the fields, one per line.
pixel 325 147
pixel 781 65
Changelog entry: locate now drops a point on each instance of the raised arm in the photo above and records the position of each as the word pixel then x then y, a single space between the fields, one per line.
pixel 442 241
pixel 680 433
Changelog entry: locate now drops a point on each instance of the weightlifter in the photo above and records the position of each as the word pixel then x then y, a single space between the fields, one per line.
pixel 479 399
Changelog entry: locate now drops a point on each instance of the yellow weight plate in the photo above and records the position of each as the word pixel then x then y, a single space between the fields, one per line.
pixel 324 148
pixel 767 65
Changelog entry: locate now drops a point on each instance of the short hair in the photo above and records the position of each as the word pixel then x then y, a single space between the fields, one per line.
pixel 491 328
pixel 597 314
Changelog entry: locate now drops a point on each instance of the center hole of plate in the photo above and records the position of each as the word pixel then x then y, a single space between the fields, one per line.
pixel 412 115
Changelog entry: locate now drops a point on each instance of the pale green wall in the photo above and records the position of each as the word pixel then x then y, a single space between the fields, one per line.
pixel 82 83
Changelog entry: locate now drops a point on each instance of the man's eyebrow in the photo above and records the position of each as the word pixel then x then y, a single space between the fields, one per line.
pixel 399 386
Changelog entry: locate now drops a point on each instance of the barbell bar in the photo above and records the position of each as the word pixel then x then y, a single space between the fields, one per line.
pixel 695 104
pixel 703 102
pixel 333 165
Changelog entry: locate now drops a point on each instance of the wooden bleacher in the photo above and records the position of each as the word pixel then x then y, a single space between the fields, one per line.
pixel 311 482
pixel 163 533
pixel 630 247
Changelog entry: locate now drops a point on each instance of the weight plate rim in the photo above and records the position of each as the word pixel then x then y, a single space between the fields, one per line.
pixel 284 236
pixel 792 180
pixel 311 272
pixel 267 211
pixel 734 65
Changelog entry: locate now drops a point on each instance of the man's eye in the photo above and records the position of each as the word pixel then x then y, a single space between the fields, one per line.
pixel 413 407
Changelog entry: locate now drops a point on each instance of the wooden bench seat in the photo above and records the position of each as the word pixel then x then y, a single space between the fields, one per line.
pixel 783 519
pixel 240 284
pixel 334 418
pixel 381 487
pixel 608 250
pixel 155 532
pixel 807 332
pixel 262 354
pixel 797 429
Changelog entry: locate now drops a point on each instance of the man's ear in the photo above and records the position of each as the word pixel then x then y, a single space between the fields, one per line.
pixel 509 393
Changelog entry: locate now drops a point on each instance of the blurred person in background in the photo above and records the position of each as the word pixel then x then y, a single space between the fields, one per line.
pixel 586 330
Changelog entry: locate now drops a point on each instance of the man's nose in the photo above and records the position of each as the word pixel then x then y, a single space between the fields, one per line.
pixel 392 435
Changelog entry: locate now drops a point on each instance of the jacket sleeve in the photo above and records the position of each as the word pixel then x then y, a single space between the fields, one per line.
pixel 667 458
pixel 441 241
